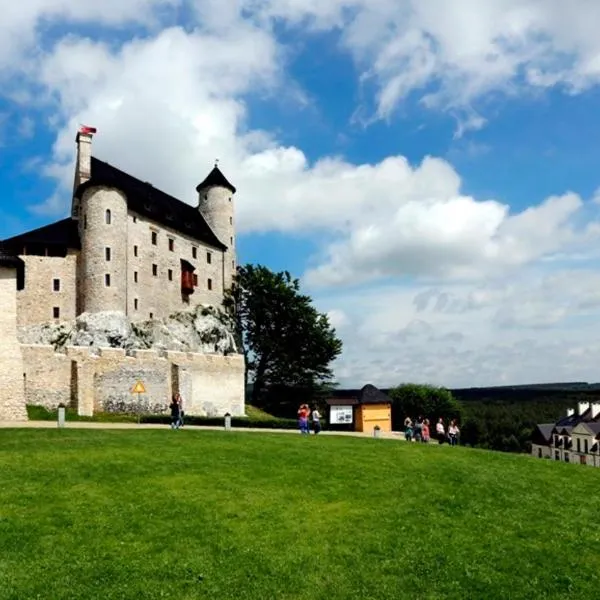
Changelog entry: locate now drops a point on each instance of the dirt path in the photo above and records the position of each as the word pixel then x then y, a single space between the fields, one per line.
pixel 91 425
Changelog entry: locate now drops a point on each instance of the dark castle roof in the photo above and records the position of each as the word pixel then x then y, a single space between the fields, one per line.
pixel 369 394
pixel 62 233
pixel 8 260
pixel 215 177
pixel 144 199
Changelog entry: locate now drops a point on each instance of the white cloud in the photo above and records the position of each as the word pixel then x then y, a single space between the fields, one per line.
pixel 168 102
pixel 23 23
pixel 465 49
pixel 532 328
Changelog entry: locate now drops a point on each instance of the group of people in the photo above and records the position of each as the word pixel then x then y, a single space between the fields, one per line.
pixel 419 431
pixel 177 413
pixel 304 414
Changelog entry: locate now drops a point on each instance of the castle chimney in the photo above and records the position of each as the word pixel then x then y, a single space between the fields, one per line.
pixel 582 407
pixel 570 412
pixel 83 166
pixel 595 409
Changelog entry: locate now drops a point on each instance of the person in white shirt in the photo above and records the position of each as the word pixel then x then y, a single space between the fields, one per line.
pixel 316 419
pixel 453 433
pixel 440 431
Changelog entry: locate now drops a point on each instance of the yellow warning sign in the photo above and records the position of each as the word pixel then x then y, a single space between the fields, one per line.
pixel 138 388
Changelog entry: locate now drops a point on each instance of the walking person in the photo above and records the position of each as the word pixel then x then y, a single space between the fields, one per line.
pixel 181 412
pixel 316 419
pixel 453 433
pixel 303 414
pixel 175 412
pixel 418 429
pixel 440 431
pixel 425 431
pixel 408 429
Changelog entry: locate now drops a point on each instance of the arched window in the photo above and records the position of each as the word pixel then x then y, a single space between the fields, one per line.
pixel 107 217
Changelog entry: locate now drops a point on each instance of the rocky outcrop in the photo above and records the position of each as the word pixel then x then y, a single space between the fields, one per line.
pixel 204 329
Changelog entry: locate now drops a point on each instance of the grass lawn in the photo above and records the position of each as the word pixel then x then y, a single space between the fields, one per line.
pixel 188 514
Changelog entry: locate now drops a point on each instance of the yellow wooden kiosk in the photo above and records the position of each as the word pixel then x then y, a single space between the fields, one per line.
pixel 360 410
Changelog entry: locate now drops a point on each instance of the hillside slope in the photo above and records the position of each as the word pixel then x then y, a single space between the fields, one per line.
pixel 187 514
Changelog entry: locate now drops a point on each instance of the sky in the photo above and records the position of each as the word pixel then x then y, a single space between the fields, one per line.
pixel 428 169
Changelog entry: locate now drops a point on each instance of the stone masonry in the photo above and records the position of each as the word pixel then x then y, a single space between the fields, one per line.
pixel 12 399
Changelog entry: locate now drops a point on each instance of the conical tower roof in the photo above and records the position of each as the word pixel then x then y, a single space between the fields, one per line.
pixel 215 178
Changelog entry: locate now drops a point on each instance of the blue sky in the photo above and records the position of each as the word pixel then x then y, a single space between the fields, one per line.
pixel 323 117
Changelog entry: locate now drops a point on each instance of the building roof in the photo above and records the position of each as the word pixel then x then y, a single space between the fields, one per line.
pixel 594 427
pixel 545 430
pixel 61 233
pixel 215 178
pixel 144 199
pixel 8 260
pixel 369 394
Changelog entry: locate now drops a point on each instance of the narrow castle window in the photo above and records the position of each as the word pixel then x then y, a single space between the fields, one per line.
pixel 107 217
pixel 585 446
pixel 195 279
pixel 208 257
pixel 152 315
pixel 107 253
pixel 56 312
pixel 135 277
pixel 85 221
pixel 155 270
pixel 171 244
pixel 231 220
pixel 194 252
pixel 154 238
pixel 233 264
pixel 170 275
pixel 210 284
pixel 134 219
pixel 56 285
pixel 135 303
pixel 135 250
pixel 231 241
pixel 107 280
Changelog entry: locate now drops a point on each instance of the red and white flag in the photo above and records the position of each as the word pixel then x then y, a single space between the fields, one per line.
pixel 86 129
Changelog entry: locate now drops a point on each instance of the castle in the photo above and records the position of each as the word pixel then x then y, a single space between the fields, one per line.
pixel 127 288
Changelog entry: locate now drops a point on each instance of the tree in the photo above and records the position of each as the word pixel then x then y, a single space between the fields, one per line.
pixel 412 400
pixel 286 341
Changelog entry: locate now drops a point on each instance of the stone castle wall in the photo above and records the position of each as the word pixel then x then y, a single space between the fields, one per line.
pixel 94 380
pixel 161 294
pixel 12 401
pixel 136 289
pixel 36 302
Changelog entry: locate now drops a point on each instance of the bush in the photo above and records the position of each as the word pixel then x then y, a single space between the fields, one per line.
pixel 412 400
pixel 40 413
pixel 241 422
pixel 256 418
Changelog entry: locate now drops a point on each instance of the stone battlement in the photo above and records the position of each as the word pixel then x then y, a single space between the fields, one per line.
pixel 101 379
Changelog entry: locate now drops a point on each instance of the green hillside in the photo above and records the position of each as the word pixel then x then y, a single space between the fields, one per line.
pixel 187 514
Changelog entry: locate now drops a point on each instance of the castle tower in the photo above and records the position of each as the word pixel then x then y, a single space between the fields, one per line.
pixel 102 267
pixel 12 385
pixel 83 164
pixel 215 203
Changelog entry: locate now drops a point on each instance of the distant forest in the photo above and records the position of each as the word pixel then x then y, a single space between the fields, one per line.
pixel 503 418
